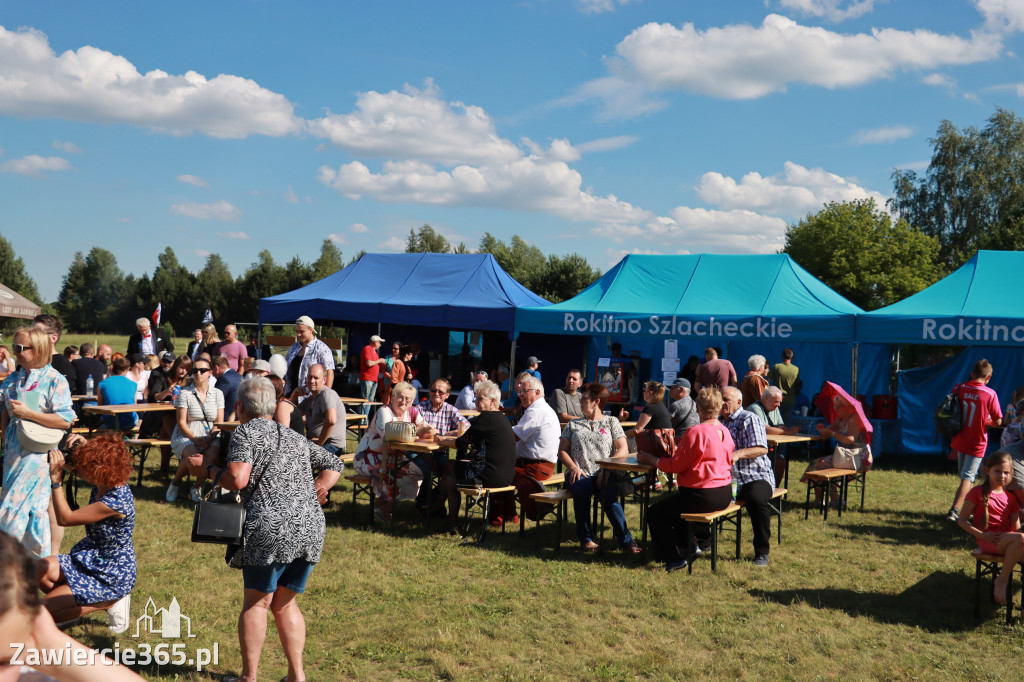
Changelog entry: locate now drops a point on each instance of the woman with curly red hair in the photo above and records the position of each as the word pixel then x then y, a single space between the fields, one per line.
pixel 99 573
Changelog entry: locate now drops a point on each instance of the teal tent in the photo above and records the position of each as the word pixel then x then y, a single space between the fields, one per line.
pixel 703 296
pixel 974 306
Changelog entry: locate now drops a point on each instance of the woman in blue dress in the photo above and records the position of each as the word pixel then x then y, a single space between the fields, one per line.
pixel 99 573
pixel 34 392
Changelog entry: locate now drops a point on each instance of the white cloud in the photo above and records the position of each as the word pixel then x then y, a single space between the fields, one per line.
pixel 745 62
pixel 1002 15
pixel 620 98
pixel 882 135
pixel 218 210
pixel 66 147
pixel 417 125
pixel 192 180
pixel 607 144
pixel 35 166
pixel 528 184
pixel 600 6
pixel 833 10
pixel 290 196
pixel 338 238
pixel 202 253
pixel 795 191
pixel 705 230
pixel 93 85
pixel 939 80
pixel 392 244
pixel 358 228
pixel 916 166
pixel 234 235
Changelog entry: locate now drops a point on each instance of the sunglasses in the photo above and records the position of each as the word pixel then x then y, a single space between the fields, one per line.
pixel 438 390
pixel 201 370
pixel 18 348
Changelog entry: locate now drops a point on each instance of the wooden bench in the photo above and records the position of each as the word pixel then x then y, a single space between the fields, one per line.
pixel 478 501
pixel 989 566
pixel 139 447
pixel 717 519
pixel 823 479
pixel 558 498
pixel 361 485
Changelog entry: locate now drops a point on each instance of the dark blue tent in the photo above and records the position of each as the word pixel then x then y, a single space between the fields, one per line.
pixel 457 291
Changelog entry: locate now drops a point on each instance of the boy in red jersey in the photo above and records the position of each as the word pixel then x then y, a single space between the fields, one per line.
pixel 980 406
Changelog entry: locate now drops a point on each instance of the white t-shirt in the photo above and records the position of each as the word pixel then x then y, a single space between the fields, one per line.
pixel 538 431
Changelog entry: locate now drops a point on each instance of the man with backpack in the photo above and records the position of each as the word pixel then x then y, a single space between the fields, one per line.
pixel 979 406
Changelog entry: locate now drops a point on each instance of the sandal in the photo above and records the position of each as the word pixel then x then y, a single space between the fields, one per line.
pixel 590 546
pixel 632 548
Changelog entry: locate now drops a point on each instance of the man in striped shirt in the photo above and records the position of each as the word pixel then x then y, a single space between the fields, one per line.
pixel 751 468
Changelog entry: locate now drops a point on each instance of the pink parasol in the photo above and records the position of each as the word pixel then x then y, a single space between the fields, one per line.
pixel 824 403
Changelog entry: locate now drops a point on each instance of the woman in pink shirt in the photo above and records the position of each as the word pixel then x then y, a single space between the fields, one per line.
pixel 703 467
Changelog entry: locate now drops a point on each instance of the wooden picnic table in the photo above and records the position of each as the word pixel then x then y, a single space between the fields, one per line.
pixel 785 439
pixel 630 465
pixel 469 413
pixel 114 410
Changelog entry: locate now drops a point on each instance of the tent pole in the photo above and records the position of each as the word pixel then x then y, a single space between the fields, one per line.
pixel 512 369
pixel 854 383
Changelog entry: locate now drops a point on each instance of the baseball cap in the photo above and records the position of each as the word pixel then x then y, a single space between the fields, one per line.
pixel 376 339
pixel 532 360
pixel 168 356
pixel 306 321
pixel 261 366
pixel 684 383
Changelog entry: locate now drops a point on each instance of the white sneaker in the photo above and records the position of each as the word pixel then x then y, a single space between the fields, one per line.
pixel 172 493
pixel 196 494
pixel 117 615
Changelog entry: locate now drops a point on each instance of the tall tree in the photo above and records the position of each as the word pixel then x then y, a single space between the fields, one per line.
pixel 972 195
pixel 524 262
pixel 94 295
pixel 13 274
pixel 565 277
pixel 427 240
pixel 329 261
pixel 297 274
pixel 263 278
pixel 174 287
pixel 856 249
pixel 214 286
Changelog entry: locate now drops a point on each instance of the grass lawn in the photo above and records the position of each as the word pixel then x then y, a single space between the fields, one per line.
pixel 884 594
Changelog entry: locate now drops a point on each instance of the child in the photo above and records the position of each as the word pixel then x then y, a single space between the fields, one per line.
pixel 981 410
pixel 992 516
pixel 1012 432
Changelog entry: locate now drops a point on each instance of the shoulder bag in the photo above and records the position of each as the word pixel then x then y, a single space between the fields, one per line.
pixel 656 442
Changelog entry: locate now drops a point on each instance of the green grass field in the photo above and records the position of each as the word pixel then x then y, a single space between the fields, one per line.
pixel 883 594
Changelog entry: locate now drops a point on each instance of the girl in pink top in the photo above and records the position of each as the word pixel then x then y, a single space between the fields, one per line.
pixel 992 516
pixel 703 464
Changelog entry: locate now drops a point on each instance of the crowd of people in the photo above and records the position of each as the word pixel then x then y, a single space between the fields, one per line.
pixel 707 433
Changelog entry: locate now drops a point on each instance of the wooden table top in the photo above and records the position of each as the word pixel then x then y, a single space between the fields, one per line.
pixel 420 446
pixel 124 409
pixel 627 463
pixel 350 417
pixel 829 474
pixel 470 413
pixel 779 439
pixel 358 401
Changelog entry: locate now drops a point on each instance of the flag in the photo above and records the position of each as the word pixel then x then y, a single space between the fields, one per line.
pixel 156 314
pixel 208 316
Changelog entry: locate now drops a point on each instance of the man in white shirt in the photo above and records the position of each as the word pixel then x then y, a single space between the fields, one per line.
pixel 467 397
pixel 537 435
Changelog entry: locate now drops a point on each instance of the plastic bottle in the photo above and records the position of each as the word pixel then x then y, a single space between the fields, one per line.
pixel 89 385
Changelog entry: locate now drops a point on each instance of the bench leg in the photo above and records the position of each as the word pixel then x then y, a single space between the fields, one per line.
pixel 739 531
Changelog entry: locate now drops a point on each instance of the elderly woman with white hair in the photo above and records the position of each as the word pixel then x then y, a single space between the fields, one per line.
pixel 284 526
pixel 755 381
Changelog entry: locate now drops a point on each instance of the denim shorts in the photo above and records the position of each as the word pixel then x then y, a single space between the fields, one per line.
pixel 267 579
pixel 969 466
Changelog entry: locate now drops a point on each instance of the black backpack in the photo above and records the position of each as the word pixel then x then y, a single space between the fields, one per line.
pixel 949 415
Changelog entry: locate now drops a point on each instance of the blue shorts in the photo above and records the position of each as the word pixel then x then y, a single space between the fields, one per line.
pixel 969 466
pixel 267 579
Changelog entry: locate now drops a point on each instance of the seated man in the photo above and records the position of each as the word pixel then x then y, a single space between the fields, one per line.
pixel 537 435
pixel 682 409
pixel 447 421
pixel 117 389
pixel 566 401
pixel 755 381
pixel 324 412
pixel 767 408
pixel 226 381
pixel 751 469
pixel 467 398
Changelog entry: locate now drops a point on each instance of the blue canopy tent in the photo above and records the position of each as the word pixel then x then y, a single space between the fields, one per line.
pixel 746 304
pixel 451 291
pixel 971 307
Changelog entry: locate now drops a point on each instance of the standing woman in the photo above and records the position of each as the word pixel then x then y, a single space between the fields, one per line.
pixel 197 407
pixel 38 393
pixel 303 354
pixel 388 371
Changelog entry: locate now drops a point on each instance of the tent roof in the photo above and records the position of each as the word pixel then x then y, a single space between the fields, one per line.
pixel 702 295
pixel 968 307
pixel 13 304
pixel 458 291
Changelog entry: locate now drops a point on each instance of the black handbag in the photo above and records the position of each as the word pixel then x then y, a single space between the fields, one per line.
pixel 221 521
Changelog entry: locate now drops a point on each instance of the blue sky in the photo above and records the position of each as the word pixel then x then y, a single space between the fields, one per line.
pixel 593 126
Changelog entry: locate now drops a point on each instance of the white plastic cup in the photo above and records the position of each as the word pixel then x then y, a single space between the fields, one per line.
pixel 803 411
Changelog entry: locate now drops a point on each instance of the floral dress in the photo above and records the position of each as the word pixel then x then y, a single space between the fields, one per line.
pixel 394 477
pixel 101 566
pixel 26 483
